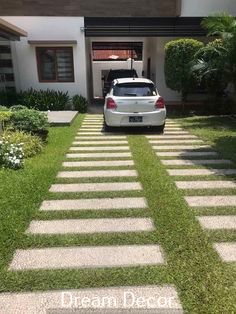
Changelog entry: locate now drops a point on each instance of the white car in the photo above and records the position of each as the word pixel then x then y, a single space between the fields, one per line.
pixel 134 102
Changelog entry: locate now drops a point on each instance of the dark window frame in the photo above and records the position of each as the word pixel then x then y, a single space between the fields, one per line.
pixel 39 64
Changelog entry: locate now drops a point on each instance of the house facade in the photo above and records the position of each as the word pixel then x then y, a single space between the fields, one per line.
pixel 56 40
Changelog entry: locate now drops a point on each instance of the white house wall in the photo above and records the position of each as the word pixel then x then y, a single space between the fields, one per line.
pixel 206 7
pixel 49 28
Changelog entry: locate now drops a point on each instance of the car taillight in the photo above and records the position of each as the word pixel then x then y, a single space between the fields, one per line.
pixel 111 104
pixel 160 103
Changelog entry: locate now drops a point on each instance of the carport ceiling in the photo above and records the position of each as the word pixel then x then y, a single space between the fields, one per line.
pixel 143 27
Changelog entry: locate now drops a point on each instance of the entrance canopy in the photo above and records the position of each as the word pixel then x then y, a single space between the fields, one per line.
pixel 143 27
pixel 9 31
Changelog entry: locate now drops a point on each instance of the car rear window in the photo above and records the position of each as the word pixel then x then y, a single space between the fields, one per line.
pixel 121 74
pixel 134 90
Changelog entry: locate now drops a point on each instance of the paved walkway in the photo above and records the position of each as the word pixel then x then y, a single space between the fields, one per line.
pixel 188 158
pixel 61 117
pixel 92 148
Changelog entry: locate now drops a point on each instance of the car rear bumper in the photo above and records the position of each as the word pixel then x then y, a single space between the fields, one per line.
pixel 118 119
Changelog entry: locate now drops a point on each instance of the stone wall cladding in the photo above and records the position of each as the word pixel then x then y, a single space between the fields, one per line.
pixel 91 8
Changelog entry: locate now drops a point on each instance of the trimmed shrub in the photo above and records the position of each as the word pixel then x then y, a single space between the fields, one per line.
pixel 5 117
pixel 32 121
pixel 18 107
pixel 9 98
pixel 42 100
pixel 178 57
pixel 45 100
pixel 32 145
pixel 3 108
pixel 80 103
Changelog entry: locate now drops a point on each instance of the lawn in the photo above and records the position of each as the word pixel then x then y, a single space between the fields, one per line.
pixel 204 283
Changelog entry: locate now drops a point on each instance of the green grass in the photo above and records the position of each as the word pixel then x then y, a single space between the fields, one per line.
pixel 204 283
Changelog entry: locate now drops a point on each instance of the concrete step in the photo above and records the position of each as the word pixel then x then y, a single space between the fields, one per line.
pixel 113 163
pixel 217 222
pixel 201 172
pixel 90 226
pixel 211 201
pixel 226 251
pixel 95 204
pixel 97 174
pixel 99 155
pixel 96 187
pixel 117 300
pixel 87 257
pixel 196 185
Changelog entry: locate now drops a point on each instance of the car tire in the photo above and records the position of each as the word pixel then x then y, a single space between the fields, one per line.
pixel 106 127
pixel 160 129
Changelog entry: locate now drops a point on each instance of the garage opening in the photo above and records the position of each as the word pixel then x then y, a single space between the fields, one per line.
pixel 114 56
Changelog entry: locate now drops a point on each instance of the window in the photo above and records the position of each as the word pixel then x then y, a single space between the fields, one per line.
pixel 134 89
pixel 55 64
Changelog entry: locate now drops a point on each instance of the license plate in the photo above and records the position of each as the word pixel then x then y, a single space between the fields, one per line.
pixel 136 119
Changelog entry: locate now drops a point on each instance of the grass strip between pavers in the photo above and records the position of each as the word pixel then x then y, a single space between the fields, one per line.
pixel 204 283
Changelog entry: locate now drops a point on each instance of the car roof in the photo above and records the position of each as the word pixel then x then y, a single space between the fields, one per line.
pixel 132 80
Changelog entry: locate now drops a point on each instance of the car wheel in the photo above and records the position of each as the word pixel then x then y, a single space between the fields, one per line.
pixel 160 129
pixel 106 127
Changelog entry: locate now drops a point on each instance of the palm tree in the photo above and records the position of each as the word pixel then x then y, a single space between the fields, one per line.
pixel 223 26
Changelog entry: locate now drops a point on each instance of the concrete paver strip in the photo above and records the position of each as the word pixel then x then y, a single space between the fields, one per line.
pixel 87 257
pixel 181 147
pixel 97 174
pixel 99 148
pixel 84 226
pixel 176 141
pixel 176 136
pixel 100 137
pixel 218 222
pixel 107 163
pixel 186 154
pixel 57 301
pixel 175 132
pixel 201 172
pixel 94 204
pixel 226 251
pixel 211 201
pixel 192 162
pixel 196 185
pixel 99 155
pixel 114 142
pixel 96 187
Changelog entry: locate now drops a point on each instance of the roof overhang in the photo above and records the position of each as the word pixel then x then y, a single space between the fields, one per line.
pixel 9 31
pixel 52 42
pixel 144 27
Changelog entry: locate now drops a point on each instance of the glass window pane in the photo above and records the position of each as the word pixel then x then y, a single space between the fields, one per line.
pixel 134 89
pixel 64 65
pixel 47 64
